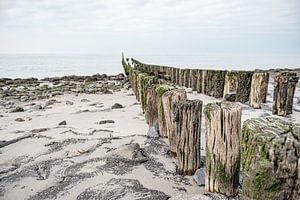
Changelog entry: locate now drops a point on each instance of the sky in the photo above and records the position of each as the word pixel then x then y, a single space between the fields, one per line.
pixel 150 26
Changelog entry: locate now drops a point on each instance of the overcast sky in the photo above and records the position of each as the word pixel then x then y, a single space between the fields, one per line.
pixel 150 26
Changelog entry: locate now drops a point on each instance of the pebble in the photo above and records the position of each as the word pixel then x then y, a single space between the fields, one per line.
pixel 70 103
pixel 199 176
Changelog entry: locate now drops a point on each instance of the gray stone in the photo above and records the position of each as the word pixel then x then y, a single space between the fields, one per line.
pixel 130 151
pixel 152 132
pixel 117 106
pixel 85 100
pixel 70 103
pixel 199 176
pixel 62 123
pixel 297 108
pixel 230 97
pixel 19 120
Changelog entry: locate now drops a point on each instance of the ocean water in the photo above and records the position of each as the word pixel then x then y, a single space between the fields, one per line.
pixel 24 66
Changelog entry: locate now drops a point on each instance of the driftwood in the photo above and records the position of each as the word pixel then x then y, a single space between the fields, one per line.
pixel 270 159
pixel 259 88
pixel 223 126
pixel 284 89
pixel 244 79
pixel 169 100
pixel 188 130
pixel 9 142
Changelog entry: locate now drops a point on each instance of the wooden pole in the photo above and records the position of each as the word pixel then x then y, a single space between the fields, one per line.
pixel 169 100
pixel 188 130
pixel 223 126
pixel 270 159
pixel 231 83
pixel 244 86
pixel 259 88
pixel 284 89
pixel 160 90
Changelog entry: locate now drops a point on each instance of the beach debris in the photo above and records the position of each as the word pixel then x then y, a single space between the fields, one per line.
pixel 39 130
pixel 199 176
pixel 117 106
pixel 62 123
pixel 19 120
pixel 76 152
pixel 4 143
pixel 108 121
pixel 17 109
pixel 70 103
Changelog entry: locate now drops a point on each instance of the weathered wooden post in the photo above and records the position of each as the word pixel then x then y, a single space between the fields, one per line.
pixel 199 81
pixel 223 127
pixel 284 89
pixel 270 159
pixel 160 90
pixel 231 82
pixel 188 130
pixel 193 79
pixel 186 79
pixel 244 86
pixel 217 82
pixel 151 113
pixel 169 100
pixel 259 88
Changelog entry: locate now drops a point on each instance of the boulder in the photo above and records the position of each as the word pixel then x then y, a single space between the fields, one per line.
pixel 199 176
pixel 117 106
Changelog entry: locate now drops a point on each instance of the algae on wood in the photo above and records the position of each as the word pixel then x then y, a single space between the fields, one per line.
pixel 270 159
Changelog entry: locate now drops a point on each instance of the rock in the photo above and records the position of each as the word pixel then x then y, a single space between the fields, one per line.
pixel 199 176
pixel 38 107
pixel 230 97
pixel 1 115
pixel 84 100
pixel 17 109
pixel 50 102
pixel 265 115
pixel 19 120
pixel 106 121
pixel 117 77
pixel 70 103
pixel 130 151
pixel 24 98
pixel 297 108
pixel 62 123
pixel 152 132
pixel 39 130
pixel 117 106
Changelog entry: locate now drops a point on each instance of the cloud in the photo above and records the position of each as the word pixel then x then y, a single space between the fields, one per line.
pixel 156 23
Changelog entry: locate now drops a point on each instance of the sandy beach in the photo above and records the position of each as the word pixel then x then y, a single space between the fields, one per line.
pixel 76 140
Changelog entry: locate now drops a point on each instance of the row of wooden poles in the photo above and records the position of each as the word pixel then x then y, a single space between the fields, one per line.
pixel 237 86
pixel 179 119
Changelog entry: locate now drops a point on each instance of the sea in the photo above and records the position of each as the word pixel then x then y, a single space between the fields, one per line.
pixel 51 65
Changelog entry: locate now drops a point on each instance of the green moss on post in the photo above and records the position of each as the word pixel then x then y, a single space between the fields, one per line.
pixel 270 159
